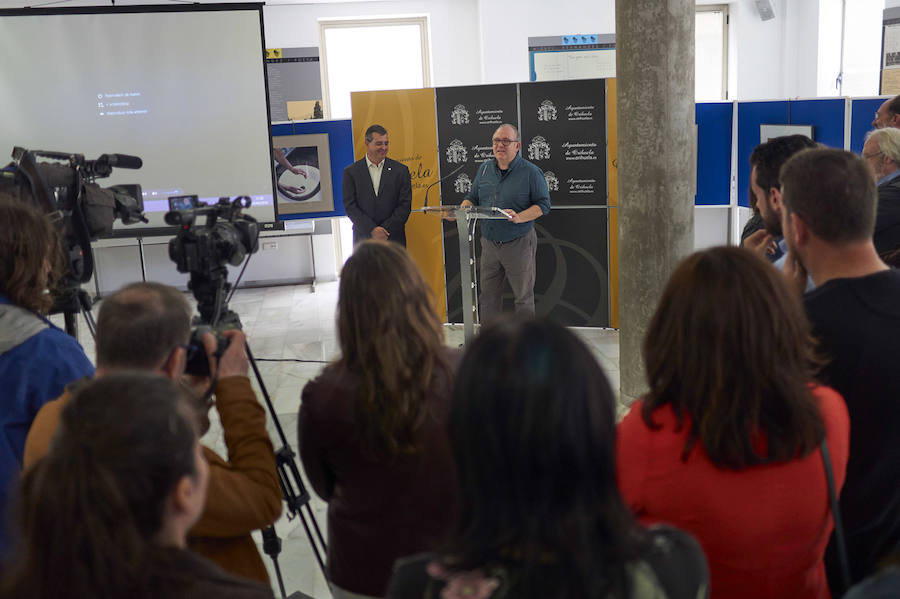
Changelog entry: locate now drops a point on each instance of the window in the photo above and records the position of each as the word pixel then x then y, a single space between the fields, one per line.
pixel 372 54
pixel 711 53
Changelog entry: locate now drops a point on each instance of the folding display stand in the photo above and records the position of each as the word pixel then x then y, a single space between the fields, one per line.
pixel 466 216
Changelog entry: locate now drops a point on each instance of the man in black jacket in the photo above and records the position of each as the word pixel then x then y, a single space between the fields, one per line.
pixel 882 153
pixel 377 192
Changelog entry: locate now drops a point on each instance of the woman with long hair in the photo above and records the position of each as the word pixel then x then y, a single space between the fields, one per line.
pixel 371 427
pixel 37 359
pixel 105 514
pixel 726 443
pixel 532 428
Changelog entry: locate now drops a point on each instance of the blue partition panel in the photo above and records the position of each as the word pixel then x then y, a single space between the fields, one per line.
pixel 750 116
pixel 714 121
pixel 340 147
pixel 825 115
pixel 862 113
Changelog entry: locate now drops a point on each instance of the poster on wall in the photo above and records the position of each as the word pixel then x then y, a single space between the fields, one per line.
pixel 295 84
pixel 303 173
pixel 579 56
pixel 563 132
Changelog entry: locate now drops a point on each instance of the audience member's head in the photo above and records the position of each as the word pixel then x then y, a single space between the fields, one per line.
pixel 729 350
pixel 882 151
pixel 532 428
pixel 124 475
pixel 765 162
pixel 888 114
pixel 31 251
pixel 833 196
pixel 392 340
pixel 144 326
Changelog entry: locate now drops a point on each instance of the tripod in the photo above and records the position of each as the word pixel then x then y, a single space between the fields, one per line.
pixel 210 289
pixel 72 301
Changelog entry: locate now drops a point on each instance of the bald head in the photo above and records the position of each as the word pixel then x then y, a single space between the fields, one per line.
pixel 888 114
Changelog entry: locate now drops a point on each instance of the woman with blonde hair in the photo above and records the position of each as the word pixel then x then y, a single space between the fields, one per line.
pixel 372 425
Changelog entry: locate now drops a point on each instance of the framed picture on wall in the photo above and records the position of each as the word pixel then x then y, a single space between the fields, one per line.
pixel 302 174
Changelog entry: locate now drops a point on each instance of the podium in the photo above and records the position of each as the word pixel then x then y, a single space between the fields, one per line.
pixel 466 217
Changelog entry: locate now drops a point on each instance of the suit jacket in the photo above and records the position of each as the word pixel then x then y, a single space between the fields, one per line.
pixel 887 220
pixel 390 209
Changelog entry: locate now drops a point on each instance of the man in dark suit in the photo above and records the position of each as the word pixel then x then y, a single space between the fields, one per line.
pixel 382 214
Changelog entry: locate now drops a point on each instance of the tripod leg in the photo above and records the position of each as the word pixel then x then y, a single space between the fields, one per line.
pixel 272 547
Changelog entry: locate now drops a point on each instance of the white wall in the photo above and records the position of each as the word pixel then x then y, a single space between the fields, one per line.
pixel 455 47
pixel 760 60
pixel 507 26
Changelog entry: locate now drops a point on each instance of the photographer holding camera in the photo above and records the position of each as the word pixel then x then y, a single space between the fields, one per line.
pixel 146 326
pixel 37 359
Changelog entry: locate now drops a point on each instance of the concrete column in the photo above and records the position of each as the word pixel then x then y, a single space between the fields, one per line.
pixel 657 163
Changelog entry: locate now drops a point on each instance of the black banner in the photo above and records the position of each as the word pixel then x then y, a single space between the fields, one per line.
pixel 466 120
pixel 467 117
pixel 563 131
pixel 572 268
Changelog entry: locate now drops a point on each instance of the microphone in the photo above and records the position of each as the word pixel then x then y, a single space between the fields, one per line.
pixel 121 160
pixel 427 189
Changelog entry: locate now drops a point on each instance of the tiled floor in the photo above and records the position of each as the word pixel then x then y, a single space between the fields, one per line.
pixel 294 323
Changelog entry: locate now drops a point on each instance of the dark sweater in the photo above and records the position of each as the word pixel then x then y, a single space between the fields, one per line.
pixel 378 510
pixel 887 220
pixel 858 322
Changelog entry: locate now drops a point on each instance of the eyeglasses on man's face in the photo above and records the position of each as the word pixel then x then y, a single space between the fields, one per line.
pixel 503 142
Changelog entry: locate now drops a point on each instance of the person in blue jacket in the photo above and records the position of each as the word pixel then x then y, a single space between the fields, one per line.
pixel 37 359
pixel 508 247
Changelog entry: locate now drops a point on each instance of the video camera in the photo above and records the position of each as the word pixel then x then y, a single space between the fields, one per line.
pixel 67 187
pixel 64 188
pixel 226 236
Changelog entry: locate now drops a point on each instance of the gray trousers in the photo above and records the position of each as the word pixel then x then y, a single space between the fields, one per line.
pixel 511 261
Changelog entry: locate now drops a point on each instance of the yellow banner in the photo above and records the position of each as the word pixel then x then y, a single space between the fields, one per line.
pixel 409 117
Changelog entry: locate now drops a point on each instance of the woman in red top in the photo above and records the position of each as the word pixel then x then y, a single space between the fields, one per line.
pixel 725 445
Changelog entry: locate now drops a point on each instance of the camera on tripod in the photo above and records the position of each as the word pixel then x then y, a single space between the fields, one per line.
pixel 62 185
pixel 226 236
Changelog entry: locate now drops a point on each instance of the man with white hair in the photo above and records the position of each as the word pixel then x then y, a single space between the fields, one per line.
pixel 882 153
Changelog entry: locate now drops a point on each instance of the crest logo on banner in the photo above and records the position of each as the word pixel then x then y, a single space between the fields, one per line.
pixel 459 115
pixel 552 180
pixel 462 184
pixel 538 149
pixel 457 152
pixel 547 111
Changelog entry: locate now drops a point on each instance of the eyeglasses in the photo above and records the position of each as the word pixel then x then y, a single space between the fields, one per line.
pixel 872 155
pixel 504 142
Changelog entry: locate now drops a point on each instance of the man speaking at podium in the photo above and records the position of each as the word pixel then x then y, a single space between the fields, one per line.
pixel 377 192
pixel 508 247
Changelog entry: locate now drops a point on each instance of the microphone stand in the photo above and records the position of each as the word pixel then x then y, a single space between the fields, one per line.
pixel 427 189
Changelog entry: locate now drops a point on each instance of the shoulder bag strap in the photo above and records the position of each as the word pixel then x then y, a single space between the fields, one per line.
pixel 838 522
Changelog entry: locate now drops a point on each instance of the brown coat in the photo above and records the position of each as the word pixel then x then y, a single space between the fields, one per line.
pixel 244 492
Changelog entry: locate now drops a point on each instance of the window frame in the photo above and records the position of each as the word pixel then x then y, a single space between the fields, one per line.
pixel 422 21
pixel 726 23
